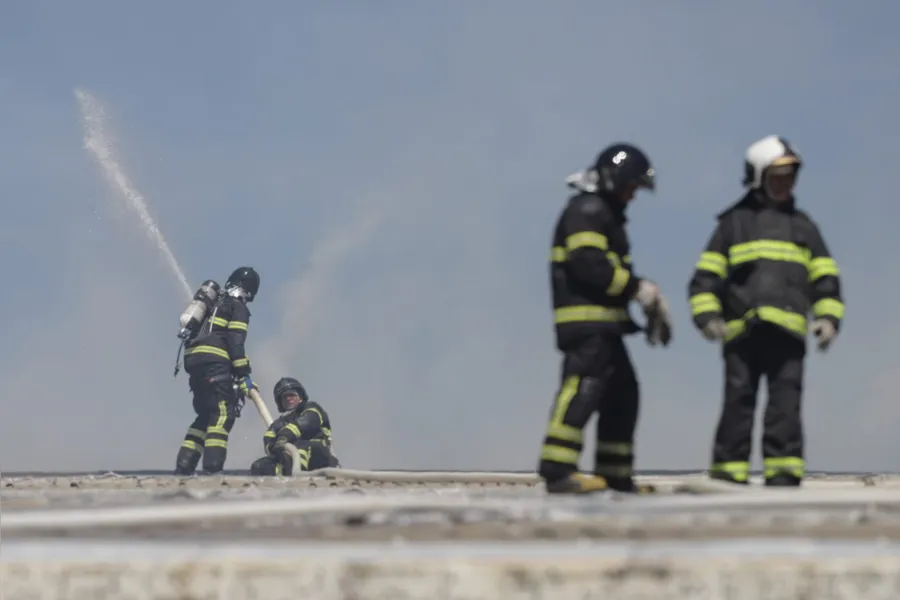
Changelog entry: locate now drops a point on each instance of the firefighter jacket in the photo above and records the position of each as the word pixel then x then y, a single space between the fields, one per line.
pixel 308 422
pixel 765 262
pixel 221 339
pixel 591 271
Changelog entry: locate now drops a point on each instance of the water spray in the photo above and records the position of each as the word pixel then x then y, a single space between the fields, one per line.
pixel 99 142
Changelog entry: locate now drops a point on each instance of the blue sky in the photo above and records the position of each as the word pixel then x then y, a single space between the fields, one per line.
pixel 393 170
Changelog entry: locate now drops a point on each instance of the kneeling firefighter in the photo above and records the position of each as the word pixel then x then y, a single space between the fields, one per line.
pixel 302 423
pixel 214 329
pixel 764 268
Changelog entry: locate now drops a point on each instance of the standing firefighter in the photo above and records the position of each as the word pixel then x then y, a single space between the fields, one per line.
pixel 304 424
pixel 215 360
pixel 765 267
pixel 592 283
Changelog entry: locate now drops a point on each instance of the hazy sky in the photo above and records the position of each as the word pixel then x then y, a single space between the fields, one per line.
pixel 394 170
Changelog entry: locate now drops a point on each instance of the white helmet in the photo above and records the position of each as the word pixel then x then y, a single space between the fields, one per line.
pixel 771 151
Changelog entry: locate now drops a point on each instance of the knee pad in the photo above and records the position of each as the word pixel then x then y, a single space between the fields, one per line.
pixel 263 466
pixel 213 462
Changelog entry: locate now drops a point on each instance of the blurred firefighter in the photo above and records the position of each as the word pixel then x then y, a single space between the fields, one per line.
pixel 302 423
pixel 219 370
pixel 765 267
pixel 593 282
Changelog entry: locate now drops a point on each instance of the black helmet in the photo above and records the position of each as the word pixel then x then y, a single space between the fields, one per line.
pixel 245 278
pixel 621 165
pixel 289 384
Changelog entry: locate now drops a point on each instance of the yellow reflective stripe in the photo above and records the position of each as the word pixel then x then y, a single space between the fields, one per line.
pixel 241 362
pixel 619 281
pixel 192 445
pixel 614 259
pixel 558 254
pixel 790 321
pixel 304 458
pixel 240 325
pixel 714 262
pixel 198 433
pixel 705 303
pixel 317 411
pixel 206 350
pixel 828 307
pixel 565 432
pixel 626 259
pixel 214 443
pixel 293 429
pixel 733 329
pixel 790 465
pixel 822 267
pixel 614 448
pixel 559 430
pixel 219 430
pixel 737 470
pixel 269 434
pixel 586 239
pixel 220 321
pixel 768 250
pixel 559 454
pixel 574 314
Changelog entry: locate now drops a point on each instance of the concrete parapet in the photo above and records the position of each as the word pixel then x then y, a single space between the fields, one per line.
pixel 725 571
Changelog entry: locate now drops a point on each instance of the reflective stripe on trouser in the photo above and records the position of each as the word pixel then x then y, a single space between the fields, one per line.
pixel 597 376
pixel 215 403
pixel 737 470
pixel 215 449
pixel 779 356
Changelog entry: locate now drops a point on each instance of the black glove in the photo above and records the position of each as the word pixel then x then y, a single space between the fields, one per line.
pixel 278 447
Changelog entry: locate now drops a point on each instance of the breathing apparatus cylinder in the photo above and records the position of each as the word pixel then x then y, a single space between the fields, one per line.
pixel 192 318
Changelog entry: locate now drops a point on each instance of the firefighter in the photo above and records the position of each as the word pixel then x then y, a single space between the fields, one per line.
pixel 593 281
pixel 302 423
pixel 217 363
pixel 765 267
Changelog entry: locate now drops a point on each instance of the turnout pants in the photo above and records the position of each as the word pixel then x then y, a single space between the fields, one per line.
pixel 313 456
pixel 597 376
pixel 216 405
pixel 769 351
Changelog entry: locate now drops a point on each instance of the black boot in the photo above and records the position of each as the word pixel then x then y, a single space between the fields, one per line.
pixel 783 480
pixel 627 485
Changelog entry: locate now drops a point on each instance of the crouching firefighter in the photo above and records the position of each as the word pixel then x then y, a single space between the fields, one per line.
pixel 214 330
pixel 765 267
pixel 302 423
pixel 593 282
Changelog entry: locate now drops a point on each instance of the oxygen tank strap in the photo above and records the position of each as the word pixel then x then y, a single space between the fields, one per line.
pixel 178 359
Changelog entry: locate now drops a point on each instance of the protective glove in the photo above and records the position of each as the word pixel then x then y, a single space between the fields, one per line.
pixel 245 384
pixel 278 446
pixel 656 309
pixel 825 332
pixel 647 295
pixel 714 330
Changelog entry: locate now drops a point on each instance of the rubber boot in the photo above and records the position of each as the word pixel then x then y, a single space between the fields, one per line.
pixel 783 480
pixel 186 461
pixel 627 485
pixel 577 483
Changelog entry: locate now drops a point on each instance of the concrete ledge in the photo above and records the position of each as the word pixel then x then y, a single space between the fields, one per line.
pixel 729 571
